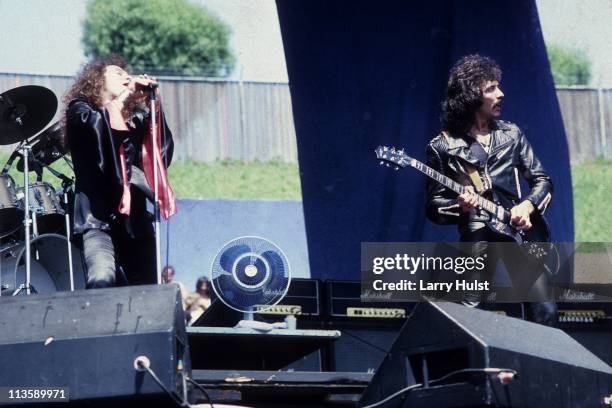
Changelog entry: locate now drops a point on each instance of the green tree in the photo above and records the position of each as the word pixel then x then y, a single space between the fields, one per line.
pixel 172 37
pixel 569 66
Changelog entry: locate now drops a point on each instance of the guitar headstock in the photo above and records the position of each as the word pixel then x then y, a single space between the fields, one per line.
pixel 392 157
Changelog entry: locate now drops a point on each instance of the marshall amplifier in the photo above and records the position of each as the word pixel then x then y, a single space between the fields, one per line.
pixel 304 301
pixel 368 329
pixel 303 298
pixel 344 299
pixel 590 324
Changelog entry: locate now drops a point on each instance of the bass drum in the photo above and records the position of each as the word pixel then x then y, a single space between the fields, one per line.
pixel 48 269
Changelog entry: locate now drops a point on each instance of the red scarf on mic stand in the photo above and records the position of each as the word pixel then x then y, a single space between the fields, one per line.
pixel 151 156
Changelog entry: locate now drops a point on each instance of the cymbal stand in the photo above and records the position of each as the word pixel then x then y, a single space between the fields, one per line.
pixel 68 162
pixel 66 185
pixel 26 149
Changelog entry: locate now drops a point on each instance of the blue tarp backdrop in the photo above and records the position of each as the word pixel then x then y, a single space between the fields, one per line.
pixel 364 73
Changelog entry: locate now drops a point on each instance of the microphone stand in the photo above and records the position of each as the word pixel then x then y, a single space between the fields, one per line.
pixel 154 124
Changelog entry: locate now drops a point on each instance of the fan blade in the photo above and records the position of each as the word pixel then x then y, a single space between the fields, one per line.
pixel 231 254
pixel 275 261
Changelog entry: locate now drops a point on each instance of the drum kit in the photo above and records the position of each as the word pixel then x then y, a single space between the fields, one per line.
pixel 36 253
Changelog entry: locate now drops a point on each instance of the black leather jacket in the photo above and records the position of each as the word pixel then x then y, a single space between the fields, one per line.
pixel 510 154
pixel 99 179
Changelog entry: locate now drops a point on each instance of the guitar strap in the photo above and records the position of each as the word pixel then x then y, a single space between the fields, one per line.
pixel 474 176
pixel 471 170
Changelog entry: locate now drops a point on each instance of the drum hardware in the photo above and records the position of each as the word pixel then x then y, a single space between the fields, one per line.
pixel 49 205
pixel 27 286
pixel 11 207
pixel 46 207
pixel 25 111
pixel 48 148
pixel 50 272
pixel 67 184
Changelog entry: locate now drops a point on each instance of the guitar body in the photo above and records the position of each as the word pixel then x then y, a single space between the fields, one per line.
pixel 539 231
pixel 535 242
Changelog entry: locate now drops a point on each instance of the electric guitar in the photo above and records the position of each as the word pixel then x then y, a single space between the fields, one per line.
pixel 499 221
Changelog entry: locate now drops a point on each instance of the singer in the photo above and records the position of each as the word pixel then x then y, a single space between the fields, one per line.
pixel 109 136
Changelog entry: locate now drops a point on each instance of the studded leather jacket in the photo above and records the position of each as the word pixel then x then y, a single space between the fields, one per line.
pixel 509 155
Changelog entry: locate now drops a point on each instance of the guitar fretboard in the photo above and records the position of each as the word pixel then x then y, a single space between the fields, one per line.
pixel 487 205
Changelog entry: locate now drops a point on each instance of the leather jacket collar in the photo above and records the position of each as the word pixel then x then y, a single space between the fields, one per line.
pixel 459 146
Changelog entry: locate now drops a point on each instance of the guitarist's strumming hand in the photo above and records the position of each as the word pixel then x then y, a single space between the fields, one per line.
pixel 520 215
pixel 468 200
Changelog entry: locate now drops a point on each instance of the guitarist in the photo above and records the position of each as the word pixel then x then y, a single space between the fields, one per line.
pixel 476 148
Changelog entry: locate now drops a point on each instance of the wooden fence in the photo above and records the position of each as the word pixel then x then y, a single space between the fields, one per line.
pixel 219 119
pixel 211 119
pixel 587 116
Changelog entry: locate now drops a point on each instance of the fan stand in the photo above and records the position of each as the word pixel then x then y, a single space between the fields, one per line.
pixel 248 314
pixel 250 323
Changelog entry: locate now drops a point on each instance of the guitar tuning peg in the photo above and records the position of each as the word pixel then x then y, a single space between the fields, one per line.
pixel 388 165
pixel 381 162
pixel 396 168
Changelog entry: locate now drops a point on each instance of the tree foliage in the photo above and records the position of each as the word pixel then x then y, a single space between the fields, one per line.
pixel 171 37
pixel 569 66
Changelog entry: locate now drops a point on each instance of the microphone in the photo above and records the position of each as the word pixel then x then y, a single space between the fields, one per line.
pixel 153 91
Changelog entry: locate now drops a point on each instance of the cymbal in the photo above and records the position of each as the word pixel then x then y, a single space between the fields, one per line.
pixel 25 111
pixel 48 147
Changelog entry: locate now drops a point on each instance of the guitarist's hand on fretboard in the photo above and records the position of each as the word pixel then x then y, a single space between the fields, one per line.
pixel 468 200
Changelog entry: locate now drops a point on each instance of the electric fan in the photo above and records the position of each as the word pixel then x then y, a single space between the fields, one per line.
pixel 250 272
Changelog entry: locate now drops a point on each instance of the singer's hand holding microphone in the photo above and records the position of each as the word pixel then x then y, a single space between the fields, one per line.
pixel 142 83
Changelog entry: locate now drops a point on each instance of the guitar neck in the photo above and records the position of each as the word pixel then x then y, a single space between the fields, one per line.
pixel 447 182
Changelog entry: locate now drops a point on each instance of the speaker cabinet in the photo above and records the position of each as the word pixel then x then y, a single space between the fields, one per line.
pixel 87 341
pixel 452 355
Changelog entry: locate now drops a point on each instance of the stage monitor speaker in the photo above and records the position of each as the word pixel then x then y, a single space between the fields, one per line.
pixel 88 341
pixel 451 355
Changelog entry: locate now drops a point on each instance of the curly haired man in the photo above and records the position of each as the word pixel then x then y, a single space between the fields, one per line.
pixel 475 141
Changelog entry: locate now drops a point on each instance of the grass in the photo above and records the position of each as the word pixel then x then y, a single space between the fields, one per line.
pixel 235 179
pixel 221 179
pixel 592 186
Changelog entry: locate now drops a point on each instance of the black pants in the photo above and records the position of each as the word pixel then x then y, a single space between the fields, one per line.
pixel 525 281
pixel 113 258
